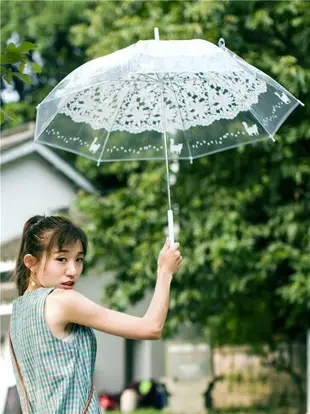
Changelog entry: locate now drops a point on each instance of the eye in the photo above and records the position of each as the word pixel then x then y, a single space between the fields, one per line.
pixel 61 259
pixel 80 260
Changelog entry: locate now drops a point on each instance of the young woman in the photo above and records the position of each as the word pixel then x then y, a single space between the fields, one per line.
pixel 53 346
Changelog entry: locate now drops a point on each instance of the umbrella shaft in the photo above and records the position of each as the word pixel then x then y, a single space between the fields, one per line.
pixel 165 146
pixel 170 212
pixel 167 170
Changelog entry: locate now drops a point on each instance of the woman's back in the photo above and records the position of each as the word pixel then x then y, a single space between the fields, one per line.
pixel 57 374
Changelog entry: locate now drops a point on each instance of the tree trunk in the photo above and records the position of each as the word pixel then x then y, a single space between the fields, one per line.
pixel 293 364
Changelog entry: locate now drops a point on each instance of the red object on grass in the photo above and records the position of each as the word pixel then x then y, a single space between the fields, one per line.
pixel 105 401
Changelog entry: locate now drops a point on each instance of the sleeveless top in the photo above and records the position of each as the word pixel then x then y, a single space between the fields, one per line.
pixel 57 374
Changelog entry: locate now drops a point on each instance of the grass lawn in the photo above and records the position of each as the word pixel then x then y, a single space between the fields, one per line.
pixel 223 411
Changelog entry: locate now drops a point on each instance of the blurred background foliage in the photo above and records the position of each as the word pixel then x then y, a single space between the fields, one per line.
pixel 14 61
pixel 244 214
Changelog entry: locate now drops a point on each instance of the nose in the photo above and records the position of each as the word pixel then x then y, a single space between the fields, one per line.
pixel 71 269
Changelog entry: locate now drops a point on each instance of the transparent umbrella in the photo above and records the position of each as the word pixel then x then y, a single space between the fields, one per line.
pixel 162 100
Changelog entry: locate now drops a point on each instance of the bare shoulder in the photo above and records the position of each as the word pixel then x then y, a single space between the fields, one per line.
pixel 60 301
pixel 61 295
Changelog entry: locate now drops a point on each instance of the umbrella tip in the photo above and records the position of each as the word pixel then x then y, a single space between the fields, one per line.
pixel 156 33
pixel 221 43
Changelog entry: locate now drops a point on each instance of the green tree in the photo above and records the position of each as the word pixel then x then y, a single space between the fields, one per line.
pixel 13 62
pixel 262 238
pixel 48 25
pixel 243 214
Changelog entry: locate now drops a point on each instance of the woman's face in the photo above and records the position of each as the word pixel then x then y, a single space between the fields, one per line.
pixel 62 268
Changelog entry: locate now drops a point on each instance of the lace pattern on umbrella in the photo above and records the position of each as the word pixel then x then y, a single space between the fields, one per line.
pixel 202 98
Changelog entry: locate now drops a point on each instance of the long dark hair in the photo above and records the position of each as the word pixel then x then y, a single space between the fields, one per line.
pixel 42 234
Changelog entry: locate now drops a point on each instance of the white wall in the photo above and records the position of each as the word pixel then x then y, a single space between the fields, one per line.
pixel 158 359
pixel 30 186
pixel 148 358
pixel 142 360
pixel 110 362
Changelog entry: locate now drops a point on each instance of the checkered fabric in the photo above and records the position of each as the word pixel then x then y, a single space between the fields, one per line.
pixel 57 374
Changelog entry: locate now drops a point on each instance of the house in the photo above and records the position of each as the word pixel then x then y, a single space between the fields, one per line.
pixel 36 180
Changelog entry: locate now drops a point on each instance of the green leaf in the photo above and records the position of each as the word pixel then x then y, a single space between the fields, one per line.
pixel 13 54
pixel 10 58
pixel 22 67
pixel 11 48
pixel 36 67
pixel 26 46
pixel 2 116
pixel 8 75
pixel 25 78
pixel 11 115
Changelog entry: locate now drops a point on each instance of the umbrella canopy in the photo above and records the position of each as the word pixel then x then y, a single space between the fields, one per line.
pixel 204 97
pixel 160 100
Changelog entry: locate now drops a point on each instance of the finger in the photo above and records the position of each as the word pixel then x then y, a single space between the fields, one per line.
pixel 176 246
pixel 167 243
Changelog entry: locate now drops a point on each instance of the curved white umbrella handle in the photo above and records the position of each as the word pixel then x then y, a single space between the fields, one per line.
pixel 171 227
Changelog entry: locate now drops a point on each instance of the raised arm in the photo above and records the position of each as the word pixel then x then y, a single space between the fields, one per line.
pixel 76 308
pixel 169 262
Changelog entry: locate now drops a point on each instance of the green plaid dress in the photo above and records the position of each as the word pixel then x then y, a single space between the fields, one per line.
pixel 57 374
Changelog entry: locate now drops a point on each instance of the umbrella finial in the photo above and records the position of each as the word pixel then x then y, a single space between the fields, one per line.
pixel 156 33
pixel 221 43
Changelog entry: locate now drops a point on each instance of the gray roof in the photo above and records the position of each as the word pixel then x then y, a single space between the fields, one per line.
pixel 14 136
pixel 18 142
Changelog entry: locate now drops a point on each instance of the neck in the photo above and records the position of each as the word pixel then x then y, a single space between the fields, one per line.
pixel 31 287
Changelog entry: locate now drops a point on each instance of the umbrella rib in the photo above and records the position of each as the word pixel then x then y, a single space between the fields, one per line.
pixel 188 146
pixel 144 76
pixel 253 113
pixel 112 123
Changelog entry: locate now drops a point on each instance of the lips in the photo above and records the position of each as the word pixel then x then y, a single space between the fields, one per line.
pixel 68 285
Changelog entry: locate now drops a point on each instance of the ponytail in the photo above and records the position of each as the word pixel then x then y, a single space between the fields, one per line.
pixel 21 273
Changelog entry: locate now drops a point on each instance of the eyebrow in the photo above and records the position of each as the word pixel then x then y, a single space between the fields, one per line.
pixel 66 251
